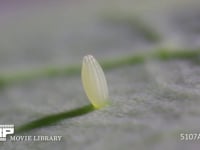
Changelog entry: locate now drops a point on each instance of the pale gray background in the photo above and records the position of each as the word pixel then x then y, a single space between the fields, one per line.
pixel 151 103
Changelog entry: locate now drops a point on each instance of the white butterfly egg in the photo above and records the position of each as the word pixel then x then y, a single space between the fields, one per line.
pixel 94 82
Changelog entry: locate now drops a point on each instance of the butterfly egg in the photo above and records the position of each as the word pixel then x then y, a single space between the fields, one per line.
pixel 94 82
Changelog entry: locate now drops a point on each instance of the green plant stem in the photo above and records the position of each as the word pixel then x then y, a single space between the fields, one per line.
pixel 54 118
pixel 161 54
